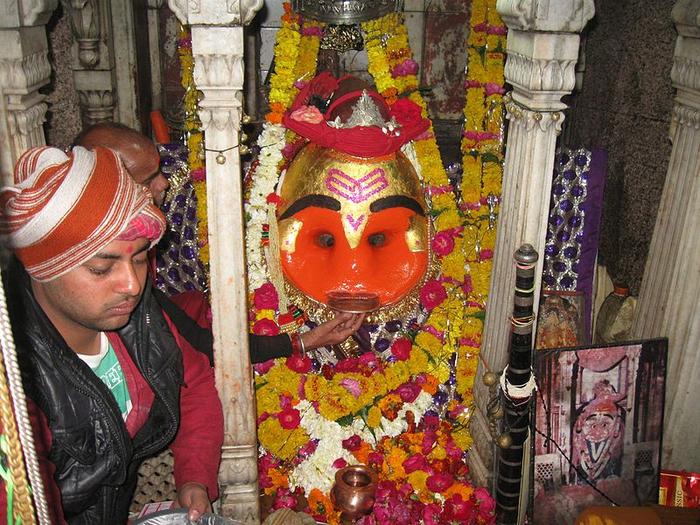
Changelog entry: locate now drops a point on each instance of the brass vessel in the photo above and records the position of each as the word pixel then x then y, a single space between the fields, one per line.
pixel 353 492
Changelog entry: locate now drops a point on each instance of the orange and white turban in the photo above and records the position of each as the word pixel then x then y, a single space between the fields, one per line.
pixel 65 208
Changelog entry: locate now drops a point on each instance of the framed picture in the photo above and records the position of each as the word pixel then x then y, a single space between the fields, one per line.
pixel 597 425
pixel 560 320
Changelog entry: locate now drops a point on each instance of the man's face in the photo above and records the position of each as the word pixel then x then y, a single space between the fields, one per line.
pixel 99 295
pixel 143 164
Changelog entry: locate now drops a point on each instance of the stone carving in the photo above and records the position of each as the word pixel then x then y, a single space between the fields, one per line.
pixel 25 126
pixel 544 120
pixel 218 70
pixel 686 116
pixel 97 106
pixel 25 74
pixel 37 12
pixel 243 11
pixel 569 16
pixel 540 74
pixel 85 22
pixel 685 73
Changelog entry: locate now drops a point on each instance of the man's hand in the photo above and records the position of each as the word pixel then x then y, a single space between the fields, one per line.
pixel 193 496
pixel 332 332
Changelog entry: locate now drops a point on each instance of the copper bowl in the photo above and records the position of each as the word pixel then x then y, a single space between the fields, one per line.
pixel 353 492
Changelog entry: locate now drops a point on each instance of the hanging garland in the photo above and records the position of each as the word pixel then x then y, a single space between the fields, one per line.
pixel 407 415
pixel 482 160
pixel 195 142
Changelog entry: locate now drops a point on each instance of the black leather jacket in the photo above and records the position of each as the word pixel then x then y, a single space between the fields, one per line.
pixel 96 460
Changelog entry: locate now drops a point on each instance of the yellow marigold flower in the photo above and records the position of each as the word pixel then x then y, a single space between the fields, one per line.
pixel 280 442
pixel 429 342
pixel 447 219
pixel 374 417
pixel 417 480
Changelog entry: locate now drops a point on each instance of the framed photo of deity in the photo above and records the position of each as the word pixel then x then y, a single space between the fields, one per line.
pixel 597 428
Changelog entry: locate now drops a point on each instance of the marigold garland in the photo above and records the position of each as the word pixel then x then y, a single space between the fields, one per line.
pixel 195 142
pixel 482 160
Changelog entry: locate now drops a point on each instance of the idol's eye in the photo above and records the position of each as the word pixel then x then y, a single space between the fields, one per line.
pixel 325 240
pixel 377 240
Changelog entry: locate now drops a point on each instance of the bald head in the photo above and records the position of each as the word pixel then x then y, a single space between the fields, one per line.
pixel 137 152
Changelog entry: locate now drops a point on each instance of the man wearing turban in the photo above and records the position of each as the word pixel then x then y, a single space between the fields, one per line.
pixel 111 377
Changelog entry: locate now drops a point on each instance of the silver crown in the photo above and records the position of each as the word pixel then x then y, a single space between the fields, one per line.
pixel 365 112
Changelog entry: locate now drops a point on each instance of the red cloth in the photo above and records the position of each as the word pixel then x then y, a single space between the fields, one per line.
pixel 197 445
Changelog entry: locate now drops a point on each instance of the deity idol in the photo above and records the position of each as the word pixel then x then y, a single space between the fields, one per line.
pixel 353 223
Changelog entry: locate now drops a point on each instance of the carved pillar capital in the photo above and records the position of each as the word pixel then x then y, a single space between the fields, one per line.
pixel 215 12
pixel 565 16
pixel 26 13
pixel 24 68
pixel 97 105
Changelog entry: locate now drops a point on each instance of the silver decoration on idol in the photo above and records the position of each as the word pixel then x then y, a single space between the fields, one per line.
pixel 345 11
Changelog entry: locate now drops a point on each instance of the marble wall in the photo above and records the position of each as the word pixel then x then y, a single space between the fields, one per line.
pixel 624 106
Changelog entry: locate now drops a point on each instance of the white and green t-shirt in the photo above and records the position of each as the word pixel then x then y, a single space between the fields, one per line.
pixel 106 366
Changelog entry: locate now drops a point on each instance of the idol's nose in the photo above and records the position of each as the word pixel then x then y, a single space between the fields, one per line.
pixel 353 302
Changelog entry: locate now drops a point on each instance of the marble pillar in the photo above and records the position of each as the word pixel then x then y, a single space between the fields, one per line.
pixel 24 68
pixel 217 46
pixel 667 305
pixel 542 50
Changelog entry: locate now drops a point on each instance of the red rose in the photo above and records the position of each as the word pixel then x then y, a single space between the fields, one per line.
pixel 265 327
pixel 439 482
pixel 289 418
pixel 405 111
pixel 266 297
pixel 401 349
pixel 432 294
pixel 443 243
pixel 299 363
pixel 415 462
pixel 408 392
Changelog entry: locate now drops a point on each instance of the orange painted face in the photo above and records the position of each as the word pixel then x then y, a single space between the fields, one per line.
pixel 353 232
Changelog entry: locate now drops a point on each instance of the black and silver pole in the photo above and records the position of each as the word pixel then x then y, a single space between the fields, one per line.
pixel 517 386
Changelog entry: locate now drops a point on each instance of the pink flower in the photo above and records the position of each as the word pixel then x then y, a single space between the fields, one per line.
pixel 352 443
pixel 432 294
pixel 311 31
pixel 264 367
pixel 352 386
pixel 284 499
pixel 458 510
pixel 443 243
pixel 431 514
pixel 299 363
pixel 368 360
pixel 401 349
pixel 375 458
pixel 265 327
pixel 439 482
pixel 485 254
pixel 289 418
pixel 472 84
pixel 497 30
pixel 408 392
pixel 198 175
pixel 310 114
pixel 480 28
pixel 467 285
pixel 492 88
pixel 266 297
pixel 340 463
pixel 415 462
pixel 487 505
